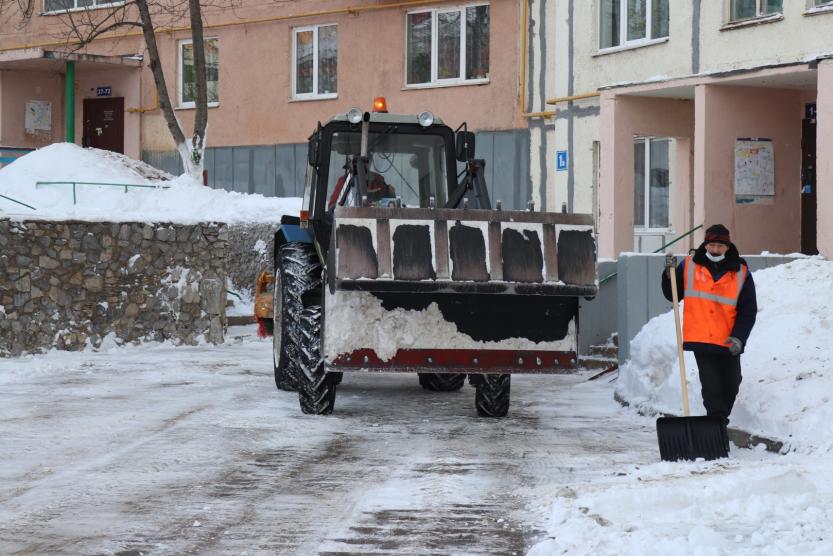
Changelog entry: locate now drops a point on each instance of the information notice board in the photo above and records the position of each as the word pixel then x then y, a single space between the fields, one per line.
pixel 754 170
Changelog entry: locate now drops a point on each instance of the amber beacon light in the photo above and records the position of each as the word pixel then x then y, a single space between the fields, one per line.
pixel 380 104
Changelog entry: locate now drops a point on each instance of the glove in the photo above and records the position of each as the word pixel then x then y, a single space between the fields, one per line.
pixel 734 345
pixel 670 261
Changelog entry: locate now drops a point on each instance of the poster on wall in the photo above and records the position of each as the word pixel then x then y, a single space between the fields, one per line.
pixel 754 170
pixel 38 116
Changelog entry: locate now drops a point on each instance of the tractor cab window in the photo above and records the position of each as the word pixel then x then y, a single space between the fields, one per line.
pixel 411 167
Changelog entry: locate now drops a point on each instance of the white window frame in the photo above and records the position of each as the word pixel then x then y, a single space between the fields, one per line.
pixel 818 6
pixel 96 5
pixel 314 95
pixel 180 80
pixel 624 43
pixel 435 81
pixel 758 13
pixel 645 229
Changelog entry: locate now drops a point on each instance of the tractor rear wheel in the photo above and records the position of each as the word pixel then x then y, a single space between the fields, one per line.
pixel 442 382
pixel 491 396
pixel 298 272
pixel 316 388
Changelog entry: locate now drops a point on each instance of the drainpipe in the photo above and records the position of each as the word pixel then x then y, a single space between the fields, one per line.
pixel 70 102
pixel 522 96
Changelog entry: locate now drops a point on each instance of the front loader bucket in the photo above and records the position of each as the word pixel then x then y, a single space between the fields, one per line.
pixel 507 282
pixel 462 251
pixel 690 438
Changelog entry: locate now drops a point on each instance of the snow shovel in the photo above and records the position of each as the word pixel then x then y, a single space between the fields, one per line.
pixel 687 437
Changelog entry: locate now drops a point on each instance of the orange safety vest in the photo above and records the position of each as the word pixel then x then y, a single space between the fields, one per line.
pixel 710 307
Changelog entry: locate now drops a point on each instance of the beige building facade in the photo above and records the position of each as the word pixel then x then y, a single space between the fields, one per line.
pixel 677 113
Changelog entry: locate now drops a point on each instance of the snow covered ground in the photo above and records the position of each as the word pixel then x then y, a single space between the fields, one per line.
pixel 168 450
pixel 179 199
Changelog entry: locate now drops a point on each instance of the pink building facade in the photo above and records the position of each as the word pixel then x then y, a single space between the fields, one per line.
pixel 274 71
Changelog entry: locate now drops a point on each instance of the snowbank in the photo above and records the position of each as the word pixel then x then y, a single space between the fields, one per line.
pixel 787 367
pixel 183 200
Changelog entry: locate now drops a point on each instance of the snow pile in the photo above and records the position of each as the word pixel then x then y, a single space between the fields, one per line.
pixel 787 367
pixel 738 507
pixel 181 199
pixel 385 331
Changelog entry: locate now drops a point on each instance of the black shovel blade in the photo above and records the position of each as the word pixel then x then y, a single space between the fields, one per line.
pixel 689 438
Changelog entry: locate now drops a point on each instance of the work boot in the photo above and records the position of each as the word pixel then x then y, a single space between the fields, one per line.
pixel 725 431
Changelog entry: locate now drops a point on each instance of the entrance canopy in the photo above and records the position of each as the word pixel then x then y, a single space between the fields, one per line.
pixel 39 59
pixel 737 150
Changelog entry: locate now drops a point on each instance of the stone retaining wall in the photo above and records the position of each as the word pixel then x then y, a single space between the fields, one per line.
pixel 250 252
pixel 70 284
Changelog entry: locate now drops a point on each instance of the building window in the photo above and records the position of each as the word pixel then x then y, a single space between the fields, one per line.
pixel 448 46
pixel 315 62
pixel 651 183
pixel 822 3
pixel 66 5
pixel 750 9
pixel 187 81
pixel 630 22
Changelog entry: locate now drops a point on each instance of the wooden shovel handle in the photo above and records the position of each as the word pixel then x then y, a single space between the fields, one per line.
pixel 672 274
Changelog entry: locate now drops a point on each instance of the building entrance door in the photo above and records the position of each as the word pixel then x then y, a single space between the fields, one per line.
pixel 808 187
pixel 104 123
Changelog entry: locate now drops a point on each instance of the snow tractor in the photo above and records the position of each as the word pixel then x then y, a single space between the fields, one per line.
pixel 400 263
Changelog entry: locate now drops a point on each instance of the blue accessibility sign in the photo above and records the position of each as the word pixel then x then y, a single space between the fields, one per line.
pixel 560 160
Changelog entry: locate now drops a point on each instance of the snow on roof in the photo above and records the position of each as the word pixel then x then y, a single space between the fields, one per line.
pixel 182 200
pixel 787 388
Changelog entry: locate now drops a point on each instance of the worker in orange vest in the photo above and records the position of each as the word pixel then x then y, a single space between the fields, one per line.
pixel 718 314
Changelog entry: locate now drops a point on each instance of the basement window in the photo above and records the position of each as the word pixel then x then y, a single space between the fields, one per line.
pixel 632 22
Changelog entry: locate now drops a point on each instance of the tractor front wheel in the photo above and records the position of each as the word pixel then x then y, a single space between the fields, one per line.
pixel 316 387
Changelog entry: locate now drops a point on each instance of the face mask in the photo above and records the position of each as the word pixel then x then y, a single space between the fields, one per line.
pixel 715 258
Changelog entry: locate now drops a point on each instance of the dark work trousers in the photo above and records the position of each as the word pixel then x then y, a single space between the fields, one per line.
pixel 720 378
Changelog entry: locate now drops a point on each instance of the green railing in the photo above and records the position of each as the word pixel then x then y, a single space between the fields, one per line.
pixel 18 202
pixel 669 244
pixel 74 185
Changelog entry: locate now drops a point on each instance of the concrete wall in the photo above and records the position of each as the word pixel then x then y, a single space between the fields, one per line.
pixel 639 291
pixel 824 168
pixel 70 284
pixel 725 114
pixel 597 317
pixel 623 117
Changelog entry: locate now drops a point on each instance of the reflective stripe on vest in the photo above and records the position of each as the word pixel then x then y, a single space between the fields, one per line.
pixel 710 308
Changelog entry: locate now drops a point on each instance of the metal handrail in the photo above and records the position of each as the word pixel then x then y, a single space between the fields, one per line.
pixel 76 183
pixel 18 202
pixel 669 244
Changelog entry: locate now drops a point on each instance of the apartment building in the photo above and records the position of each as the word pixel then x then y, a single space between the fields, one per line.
pixel 274 70
pixel 675 113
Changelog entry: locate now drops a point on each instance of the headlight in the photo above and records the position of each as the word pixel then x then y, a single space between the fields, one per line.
pixel 425 119
pixel 354 116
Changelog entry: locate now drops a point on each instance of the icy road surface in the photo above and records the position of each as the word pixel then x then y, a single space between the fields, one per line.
pixel 166 450
pixel 163 450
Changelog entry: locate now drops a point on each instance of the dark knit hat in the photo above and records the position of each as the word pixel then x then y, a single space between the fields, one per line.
pixel 718 234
